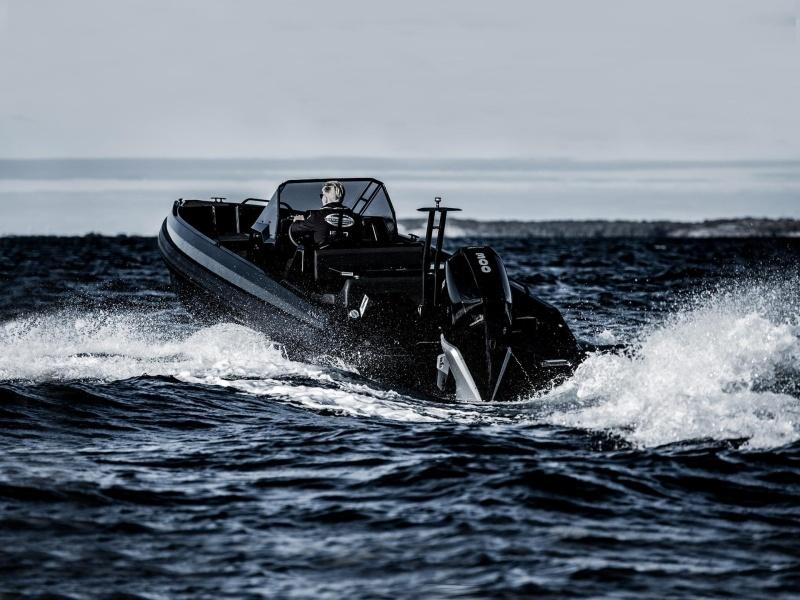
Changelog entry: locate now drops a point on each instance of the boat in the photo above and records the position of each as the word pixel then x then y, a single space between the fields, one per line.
pixel 398 308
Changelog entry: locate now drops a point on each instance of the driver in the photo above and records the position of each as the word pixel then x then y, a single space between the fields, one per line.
pixel 333 222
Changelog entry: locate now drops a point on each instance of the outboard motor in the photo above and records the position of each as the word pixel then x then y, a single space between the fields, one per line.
pixel 476 348
pixel 497 340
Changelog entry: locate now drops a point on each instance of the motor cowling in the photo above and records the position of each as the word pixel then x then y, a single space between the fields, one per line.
pixel 477 345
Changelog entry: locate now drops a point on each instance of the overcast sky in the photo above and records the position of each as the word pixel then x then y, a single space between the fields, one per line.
pixel 236 78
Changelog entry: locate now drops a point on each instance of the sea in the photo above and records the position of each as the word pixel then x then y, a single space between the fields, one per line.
pixel 144 455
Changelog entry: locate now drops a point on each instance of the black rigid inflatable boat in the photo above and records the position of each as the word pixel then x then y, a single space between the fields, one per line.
pixel 400 309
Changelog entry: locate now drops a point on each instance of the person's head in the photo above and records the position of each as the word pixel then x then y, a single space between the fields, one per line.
pixel 332 191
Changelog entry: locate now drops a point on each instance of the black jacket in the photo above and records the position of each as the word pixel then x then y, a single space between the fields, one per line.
pixel 333 222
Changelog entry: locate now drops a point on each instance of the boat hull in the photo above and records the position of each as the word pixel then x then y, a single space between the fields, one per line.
pixel 214 284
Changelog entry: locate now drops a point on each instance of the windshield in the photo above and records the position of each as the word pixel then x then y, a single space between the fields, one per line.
pixel 366 197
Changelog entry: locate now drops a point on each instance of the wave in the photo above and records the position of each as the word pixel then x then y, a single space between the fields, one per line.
pixel 111 346
pixel 724 368
pixel 105 347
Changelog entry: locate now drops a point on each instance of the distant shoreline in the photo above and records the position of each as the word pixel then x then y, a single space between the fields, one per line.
pixel 717 228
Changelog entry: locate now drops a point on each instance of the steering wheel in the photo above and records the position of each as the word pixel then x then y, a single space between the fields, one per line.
pixel 289 232
pixel 294 242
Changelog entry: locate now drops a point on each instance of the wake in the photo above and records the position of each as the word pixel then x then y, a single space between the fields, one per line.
pixel 105 347
pixel 725 367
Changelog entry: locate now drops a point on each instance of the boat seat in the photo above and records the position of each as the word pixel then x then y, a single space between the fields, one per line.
pixel 238 243
pixel 333 262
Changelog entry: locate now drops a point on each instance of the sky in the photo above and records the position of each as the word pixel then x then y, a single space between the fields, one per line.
pixel 611 79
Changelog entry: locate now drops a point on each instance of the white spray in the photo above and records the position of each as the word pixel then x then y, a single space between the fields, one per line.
pixel 710 371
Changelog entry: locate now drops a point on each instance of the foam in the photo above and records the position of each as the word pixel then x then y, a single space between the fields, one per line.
pixel 350 399
pixel 710 371
pixel 113 346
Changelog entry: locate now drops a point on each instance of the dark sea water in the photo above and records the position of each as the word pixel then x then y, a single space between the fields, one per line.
pixel 143 455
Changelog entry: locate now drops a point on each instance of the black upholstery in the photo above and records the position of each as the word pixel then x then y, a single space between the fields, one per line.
pixel 332 261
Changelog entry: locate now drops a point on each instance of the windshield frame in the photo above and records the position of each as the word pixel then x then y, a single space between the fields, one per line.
pixel 348 201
